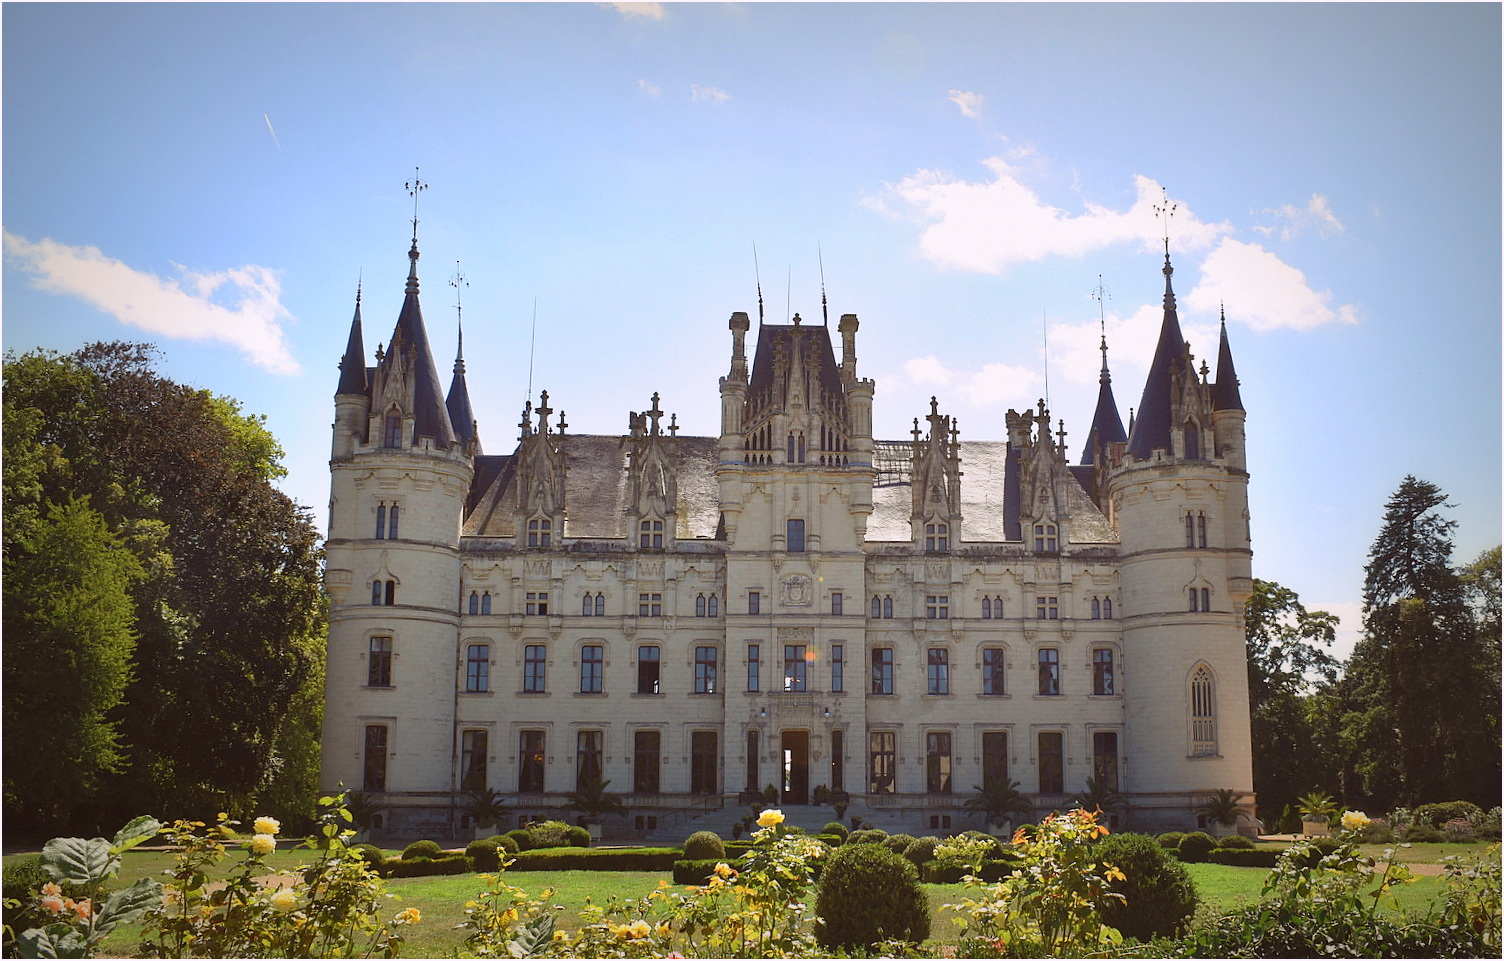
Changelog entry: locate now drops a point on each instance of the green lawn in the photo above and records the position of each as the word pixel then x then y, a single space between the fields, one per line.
pixel 442 899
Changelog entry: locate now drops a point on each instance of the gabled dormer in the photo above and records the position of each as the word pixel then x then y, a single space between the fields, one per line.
pixel 1046 486
pixel 652 478
pixel 795 410
pixel 936 488
pixel 540 484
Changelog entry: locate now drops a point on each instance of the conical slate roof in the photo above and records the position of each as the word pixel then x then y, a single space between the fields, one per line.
pixel 1225 394
pixel 461 414
pixel 1151 429
pixel 352 366
pixel 1106 423
pixel 429 409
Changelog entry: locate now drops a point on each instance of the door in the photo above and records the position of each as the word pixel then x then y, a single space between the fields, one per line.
pixel 795 767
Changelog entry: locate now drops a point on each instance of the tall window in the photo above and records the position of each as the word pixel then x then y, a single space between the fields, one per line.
pixel 474 603
pixel 795 534
pixel 587 758
pixel 381 520
pixel 994 757
pixel 837 602
pixel 1106 608
pixel 754 602
pixel 537 602
pixel 937 761
pixel 391 522
pixel 838 760
pixel 714 605
pixel 1047 608
pixel 540 532
pixel 937 677
pixel 1200 529
pixel 392 435
pixel 485 603
pixel 877 608
pixel 1045 538
pixel 754 668
pixel 994 671
pixel 705 664
pixel 592 668
pixel 704 758
pixel 647 669
pixel 375 758
pixel 1051 762
pixel 534 669
pixel 882 670
pixel 1102 675
pixel 1190 529
pixel 478 668
pixel 937 537
pixel 937 607
pixel 1096 608
pixel 1192 440
pixel 379 666
pixel 1104 758
pixel 650 605
pixel 882 761
pixel 530 761
pixel 473 760
pixel 838 668
pixel 1049 670
pixel 650 534
pixel 1203 713
pixel 383 592
pixel 795 668
pixel 647 752
pixel 753 742
pixel 887 606
pixel 1201 599
pixel 699 605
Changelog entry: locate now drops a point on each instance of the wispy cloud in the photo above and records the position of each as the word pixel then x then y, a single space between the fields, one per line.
pixel 649 89
pixel 240 306
pixel 970 103
pixel 1263 291
pixel 990 385
pixel 713 95
pixel 1316 214
pixel 988 226
pixel 649 11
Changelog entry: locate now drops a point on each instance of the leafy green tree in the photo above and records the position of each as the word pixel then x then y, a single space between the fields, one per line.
pixel 1286 660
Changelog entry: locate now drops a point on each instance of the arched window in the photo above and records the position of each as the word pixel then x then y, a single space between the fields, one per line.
pixel 380 521
pixel 600 605
pixel 1203 712
pixel 1107 608
pixel 699 605
pixel 887 606
pixel 877 607
pixel 474 603
pixel 391 523
pixel 393 430
pixel 485 603
pixel 1192 441
pixel 587 606
pixel 714 604
pixel 1096 608
pixel 987 608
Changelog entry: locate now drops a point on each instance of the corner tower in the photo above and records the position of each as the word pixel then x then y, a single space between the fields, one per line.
pixel 399 475
pixel 1177 491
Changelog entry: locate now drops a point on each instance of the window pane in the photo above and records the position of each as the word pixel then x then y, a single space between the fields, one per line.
pixel 592 668
pixel 754 667
pixel 705 670
pixel 937 761
pixel 647 670
pixel 993 671
pixel 1101 671
pixel 796 534
pixel 938 677
pixel 882 762
pixel 882 670
pixel 375 758
pixel 646 755
pixel 530 761
pixel 473 749
pixel 534 669
pixel 838 668
pixel 1049 670
pixel 704 758
pixel 795 668
pixel 478 668
pixel 1051 762
pixel 379 669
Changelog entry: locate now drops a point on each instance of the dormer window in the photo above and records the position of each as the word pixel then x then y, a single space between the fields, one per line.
pixel 937 537
pixel 650 534
pixel 1045 538
pixel 540 532
pixel 795 541
pixel 392 436
pixel 1192 441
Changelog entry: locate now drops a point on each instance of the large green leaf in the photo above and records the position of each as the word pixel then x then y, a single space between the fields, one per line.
pixel 142 829
pixel 54 941
pixel 127 904
pixel 534 938
pixel 79 861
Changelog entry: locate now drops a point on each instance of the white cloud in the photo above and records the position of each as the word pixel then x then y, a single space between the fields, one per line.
pixel 970 103
pixel 991 385
pixel 239 306
pixel 714 95
pixel 987 226
pixel 648 88
pixel 1317 214
pixel 651 11
pixel 1263 291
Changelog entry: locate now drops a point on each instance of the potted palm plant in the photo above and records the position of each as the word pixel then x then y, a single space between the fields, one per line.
pixel 1222 811
pixel 593 802
pixel 485 811
pixel 1316 810
pixel 1000 800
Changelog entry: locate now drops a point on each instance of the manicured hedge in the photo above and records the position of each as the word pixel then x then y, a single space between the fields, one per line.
pixel 696 872
pixel 596 859
pixel 1245 857
pixel 423 867
pixel 938 872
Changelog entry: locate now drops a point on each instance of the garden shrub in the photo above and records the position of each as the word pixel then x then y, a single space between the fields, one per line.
pixel 484 855
pixel 23 880
pixel 696 872
pixel 372 854
pixel 703 846
pixel 421 849
pixel 506 842
pixel 898 843
pixel 577 837
pixel 1417 832
pixel 735 849
pixel 869 894
pixel 921 850
pixel 1194 847
pixel 830 840
pixel 1440 812
pixel 549 834
pixel 420 867
pixel 1235 841
pixel 1245 858
pixel 1159 895
pixel 1171 840
pixel 836 827
pixel 597 859
pixel 521 839
pixel 939 872
pixel 866 836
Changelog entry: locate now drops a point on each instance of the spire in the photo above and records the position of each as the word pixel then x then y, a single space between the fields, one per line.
pixel 352 366
pixel 1106 423
pixel 1151 429
pixel 461 414
pixel 1225 394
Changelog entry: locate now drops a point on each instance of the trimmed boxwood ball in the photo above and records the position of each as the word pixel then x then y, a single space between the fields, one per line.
pixel 577 837
pixel 506 842
pixel 1160 896
pixel 835 827
pixel 921 850
pixel 1236 841
pixel 521 839
pixel 1194 847
pixel 421 849
pixel 898 843
pixel 484 854
pixel 866 836
pixel 703 845
pixel 1171 840
pixel 371 854
pixel 869 894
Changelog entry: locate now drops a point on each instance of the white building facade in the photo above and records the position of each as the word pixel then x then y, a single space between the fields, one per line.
pixel 792 603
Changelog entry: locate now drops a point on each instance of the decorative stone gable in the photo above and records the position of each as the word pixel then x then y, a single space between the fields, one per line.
pixel 541 467
pixel 652 475
pixel 937 479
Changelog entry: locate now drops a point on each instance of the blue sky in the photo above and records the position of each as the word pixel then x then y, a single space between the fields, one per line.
pixel 218 178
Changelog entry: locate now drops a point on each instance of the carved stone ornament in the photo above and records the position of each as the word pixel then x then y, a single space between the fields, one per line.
pixel 794 591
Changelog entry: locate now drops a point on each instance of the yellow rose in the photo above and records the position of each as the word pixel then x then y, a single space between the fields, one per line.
pixel 769 818
pixel 723 870
pixel 265 825
pixel 284 901
pixel 409 916
pixel 1354 821
pixel 263 844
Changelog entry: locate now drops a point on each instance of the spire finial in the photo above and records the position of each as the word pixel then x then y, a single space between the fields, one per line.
pixel 824 310
pixel 458 282
pixel 1166 211
pixel 1100 295
pixel 414 187
pixel 757 271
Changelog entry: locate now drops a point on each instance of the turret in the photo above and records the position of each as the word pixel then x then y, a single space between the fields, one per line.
pixel 352 398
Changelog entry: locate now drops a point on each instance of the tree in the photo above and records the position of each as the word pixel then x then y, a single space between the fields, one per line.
pixel 1420 671
pixel 1285 660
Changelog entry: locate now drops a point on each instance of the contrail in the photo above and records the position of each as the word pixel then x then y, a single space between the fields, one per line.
pixel 273 132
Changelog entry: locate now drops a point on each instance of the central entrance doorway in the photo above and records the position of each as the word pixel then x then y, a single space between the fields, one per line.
pixel 795 767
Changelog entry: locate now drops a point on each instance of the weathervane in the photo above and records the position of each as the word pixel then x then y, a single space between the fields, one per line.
pixel 1166 211
pixel 1100 295
pixel 415 187
pixel 458 282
